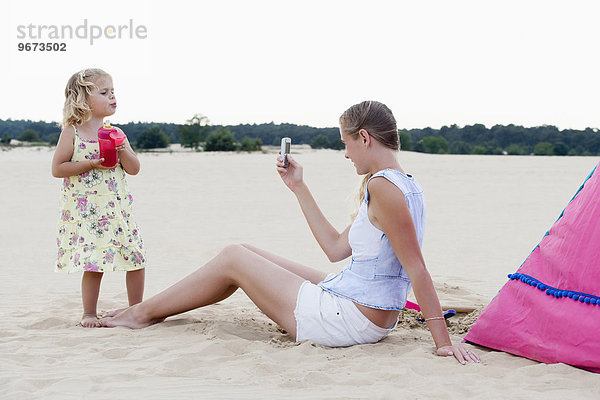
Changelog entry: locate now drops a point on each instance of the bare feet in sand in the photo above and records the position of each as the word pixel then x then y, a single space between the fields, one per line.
pixel 129 317
pixel 114 312
pixel 90 321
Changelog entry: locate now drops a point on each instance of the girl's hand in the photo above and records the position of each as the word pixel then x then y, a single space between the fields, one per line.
pixel 129 161
pixel 461 353
pixel 97 164
pixel 292 175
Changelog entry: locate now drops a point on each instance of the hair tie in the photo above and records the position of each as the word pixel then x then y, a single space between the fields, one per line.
pixel 82 76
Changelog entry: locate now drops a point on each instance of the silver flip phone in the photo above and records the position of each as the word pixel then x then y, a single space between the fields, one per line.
pixel 286 144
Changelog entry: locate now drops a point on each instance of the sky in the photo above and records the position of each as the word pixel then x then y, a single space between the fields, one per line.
pixel 433 63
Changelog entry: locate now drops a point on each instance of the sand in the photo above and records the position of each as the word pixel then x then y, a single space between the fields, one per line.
pixel 485 214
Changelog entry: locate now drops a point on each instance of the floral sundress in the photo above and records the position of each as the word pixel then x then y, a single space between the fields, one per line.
pixel 96 231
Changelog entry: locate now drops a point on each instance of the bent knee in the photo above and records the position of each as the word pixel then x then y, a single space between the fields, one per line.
pixel 232 258
pixel 233 250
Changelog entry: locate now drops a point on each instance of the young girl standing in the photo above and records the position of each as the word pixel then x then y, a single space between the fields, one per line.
pixel 96 230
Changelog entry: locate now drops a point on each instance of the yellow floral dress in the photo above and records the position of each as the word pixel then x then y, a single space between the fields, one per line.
pixel 96 230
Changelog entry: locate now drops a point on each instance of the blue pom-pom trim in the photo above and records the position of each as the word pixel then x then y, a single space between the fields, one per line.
pixel 557 293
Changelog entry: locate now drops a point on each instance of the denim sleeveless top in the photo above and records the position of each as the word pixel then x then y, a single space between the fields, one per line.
pixel 374 277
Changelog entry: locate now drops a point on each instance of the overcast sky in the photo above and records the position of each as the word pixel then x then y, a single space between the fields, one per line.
pixel 433 63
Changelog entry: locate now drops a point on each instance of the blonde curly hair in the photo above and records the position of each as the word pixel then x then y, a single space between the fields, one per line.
pixel 79 87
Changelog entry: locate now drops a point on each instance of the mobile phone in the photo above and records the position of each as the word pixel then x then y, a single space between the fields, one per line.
pixel 286 144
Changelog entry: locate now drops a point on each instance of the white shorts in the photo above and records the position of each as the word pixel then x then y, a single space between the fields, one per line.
pixel 333 321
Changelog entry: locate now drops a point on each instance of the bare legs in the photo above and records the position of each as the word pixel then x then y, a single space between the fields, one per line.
pixel 307 273
pixel 90 288
pixel 270 281
pixel 135 285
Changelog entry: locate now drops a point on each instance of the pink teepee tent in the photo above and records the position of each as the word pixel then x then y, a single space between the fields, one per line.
pixel 549 310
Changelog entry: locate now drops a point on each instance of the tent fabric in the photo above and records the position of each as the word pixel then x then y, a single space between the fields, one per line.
pixel 549 310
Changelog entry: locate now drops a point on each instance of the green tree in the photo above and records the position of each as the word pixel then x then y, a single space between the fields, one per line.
pixel 517 150
pixel 405 141
pixel 577 151
pixel 189 135
pixel 194 132
pixel 543 149
pixel 560 149
pixel 52 139
pixel 319 142
pixel 5 138
pixel 478 150
pixel 220 139
pixel 491 149
pixel 460 147
pixel 434 144
pixel 29 135
pixel 152 138
pixel 248 144
pixel 337 144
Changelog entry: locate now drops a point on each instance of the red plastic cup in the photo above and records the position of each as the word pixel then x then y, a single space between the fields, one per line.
pixel 117 137
pixel 108 139
pixel 108 152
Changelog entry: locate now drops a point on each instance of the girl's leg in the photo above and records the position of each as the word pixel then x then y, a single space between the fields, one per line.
pixel 310 274
pixel 90 289
pixel 272 288
pixel 135 285
pixel 134 280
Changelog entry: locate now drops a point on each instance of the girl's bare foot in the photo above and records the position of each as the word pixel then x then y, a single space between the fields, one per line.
pixel 90 321
pixel 130 318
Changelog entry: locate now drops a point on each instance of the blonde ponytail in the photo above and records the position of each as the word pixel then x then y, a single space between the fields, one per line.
pixel 360 194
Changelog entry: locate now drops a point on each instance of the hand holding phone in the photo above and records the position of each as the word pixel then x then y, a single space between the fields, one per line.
pixel 286 144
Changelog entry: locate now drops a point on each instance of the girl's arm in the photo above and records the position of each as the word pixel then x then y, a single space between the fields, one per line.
pixel 389 212
pixel 128 158
pixel 62 166
pixel 334 244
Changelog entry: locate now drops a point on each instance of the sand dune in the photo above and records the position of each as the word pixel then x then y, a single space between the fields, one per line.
pixel 485 214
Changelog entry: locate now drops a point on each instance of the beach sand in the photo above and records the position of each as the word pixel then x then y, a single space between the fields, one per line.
pixel 485 214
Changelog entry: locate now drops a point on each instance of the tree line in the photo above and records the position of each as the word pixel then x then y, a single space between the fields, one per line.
pixel 505 139
pixel 198 133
